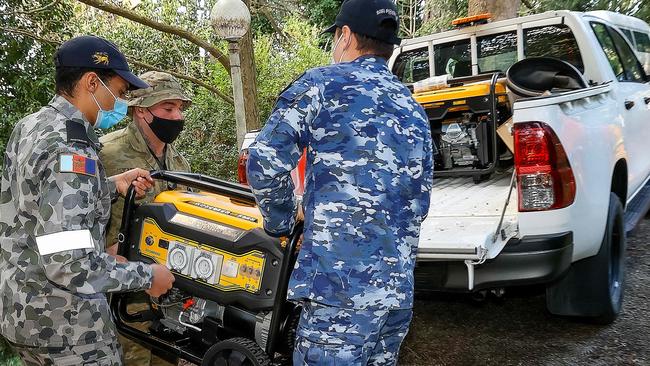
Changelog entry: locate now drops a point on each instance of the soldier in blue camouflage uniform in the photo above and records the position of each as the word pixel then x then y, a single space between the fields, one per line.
pixel 54 207
pixel 368 181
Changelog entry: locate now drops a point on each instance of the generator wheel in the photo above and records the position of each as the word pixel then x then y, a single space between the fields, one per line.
pixel 236 352
pixel 289 337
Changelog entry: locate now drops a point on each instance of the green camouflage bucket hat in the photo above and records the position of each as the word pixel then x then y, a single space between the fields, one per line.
pixel 163 86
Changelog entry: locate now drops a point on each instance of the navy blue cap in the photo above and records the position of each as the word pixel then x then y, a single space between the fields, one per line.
pixel 367 17
pixel 97 53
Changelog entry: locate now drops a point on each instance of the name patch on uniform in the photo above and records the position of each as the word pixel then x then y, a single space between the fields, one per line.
pixel 71 163
pixel 64 241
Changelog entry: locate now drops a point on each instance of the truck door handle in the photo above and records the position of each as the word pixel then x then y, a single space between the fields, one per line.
pixel 629 104
pixel 646 100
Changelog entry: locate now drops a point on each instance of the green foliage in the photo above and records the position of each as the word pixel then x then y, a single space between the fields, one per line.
pixel 630 7
pixel 209 140
pixel 440 13
pixel 7 355
pixel 26 80
pixel 320 12
pixel 279 64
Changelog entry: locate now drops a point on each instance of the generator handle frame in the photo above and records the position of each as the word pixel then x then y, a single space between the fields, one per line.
pixel 205 183
pixel 289 259
pixel 129 202
pixel 191 180
pixel 212 185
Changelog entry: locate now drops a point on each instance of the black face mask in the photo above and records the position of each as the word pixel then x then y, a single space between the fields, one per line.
pixel 167 130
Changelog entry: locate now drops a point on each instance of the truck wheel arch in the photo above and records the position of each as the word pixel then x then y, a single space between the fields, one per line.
pixel 619 181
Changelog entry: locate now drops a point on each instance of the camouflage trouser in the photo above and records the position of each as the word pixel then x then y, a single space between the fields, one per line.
pixel 335 336
pixel 104 353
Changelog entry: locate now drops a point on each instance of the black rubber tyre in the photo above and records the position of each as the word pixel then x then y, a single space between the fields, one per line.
pixel 481 178
pixel 593 287
pixel 236 352
pixel 289 336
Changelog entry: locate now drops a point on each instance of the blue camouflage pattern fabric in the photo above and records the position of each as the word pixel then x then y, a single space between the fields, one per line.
pixel 53 269
pixel 368 183
pixel 334 336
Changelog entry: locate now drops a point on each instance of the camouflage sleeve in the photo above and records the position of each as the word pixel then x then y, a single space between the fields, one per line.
pixel 112 189
pixel 427 172
pixel 276 151
pixel 68 235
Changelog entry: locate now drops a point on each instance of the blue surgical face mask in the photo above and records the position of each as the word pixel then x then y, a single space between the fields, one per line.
pixel 108 119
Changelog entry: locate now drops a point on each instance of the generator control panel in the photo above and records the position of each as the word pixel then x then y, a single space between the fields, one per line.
pixel 202 262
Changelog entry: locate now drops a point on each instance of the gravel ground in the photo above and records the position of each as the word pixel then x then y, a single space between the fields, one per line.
pixel 517 330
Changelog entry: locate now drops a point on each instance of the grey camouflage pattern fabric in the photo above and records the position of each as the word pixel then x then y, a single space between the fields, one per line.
pixel 57 299
pixel 105 353
pixel 126 149
pixel 334 336
pixel 367 183
pixel 162 86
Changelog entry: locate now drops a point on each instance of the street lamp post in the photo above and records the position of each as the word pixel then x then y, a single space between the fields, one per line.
pixel 231 20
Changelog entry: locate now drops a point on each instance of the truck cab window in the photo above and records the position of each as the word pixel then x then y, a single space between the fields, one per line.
pixel 621 58
pixel 412 66
pixel 633 69
pixel 628 34
pixel 555 41
pixel 642 42
pixel 497 52
pixel 454 58
pixel 607 45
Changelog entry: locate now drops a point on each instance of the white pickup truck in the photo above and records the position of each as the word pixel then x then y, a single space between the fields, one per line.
pixel 559 214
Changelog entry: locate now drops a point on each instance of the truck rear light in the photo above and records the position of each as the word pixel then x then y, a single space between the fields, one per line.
pixel 241 167
pixel 544 175
pixel 298 174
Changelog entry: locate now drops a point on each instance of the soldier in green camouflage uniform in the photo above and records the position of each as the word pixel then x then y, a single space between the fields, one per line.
pixel 55 203
pixel 139 146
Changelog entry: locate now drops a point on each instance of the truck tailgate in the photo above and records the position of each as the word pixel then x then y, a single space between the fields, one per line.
pixel 464 216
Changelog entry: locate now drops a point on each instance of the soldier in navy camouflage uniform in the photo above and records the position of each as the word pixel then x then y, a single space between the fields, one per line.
pixel 367 190
pixel 55 203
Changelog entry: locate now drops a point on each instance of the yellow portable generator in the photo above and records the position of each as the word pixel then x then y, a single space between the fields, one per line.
pixel 464 114
pixel 228 304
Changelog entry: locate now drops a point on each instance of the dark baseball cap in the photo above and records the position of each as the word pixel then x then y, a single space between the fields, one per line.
pixel 366 17
pixel 97 53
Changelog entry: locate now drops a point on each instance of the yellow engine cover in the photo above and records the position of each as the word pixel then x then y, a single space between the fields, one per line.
pixel 457 98
pixel 199 227
pixel 214 207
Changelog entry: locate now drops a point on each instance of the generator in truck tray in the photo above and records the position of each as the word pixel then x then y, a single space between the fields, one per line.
pixel 463 124
pixel 472 98
pixel 214 245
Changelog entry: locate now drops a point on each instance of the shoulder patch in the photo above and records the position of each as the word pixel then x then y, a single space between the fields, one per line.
pixel 76 132
pixel 79 164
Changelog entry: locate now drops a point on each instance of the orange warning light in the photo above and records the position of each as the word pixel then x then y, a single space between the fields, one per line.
pixel 472 20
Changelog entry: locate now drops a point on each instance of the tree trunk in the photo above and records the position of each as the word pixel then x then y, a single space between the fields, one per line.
pixel 500 9
pixel 249 79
